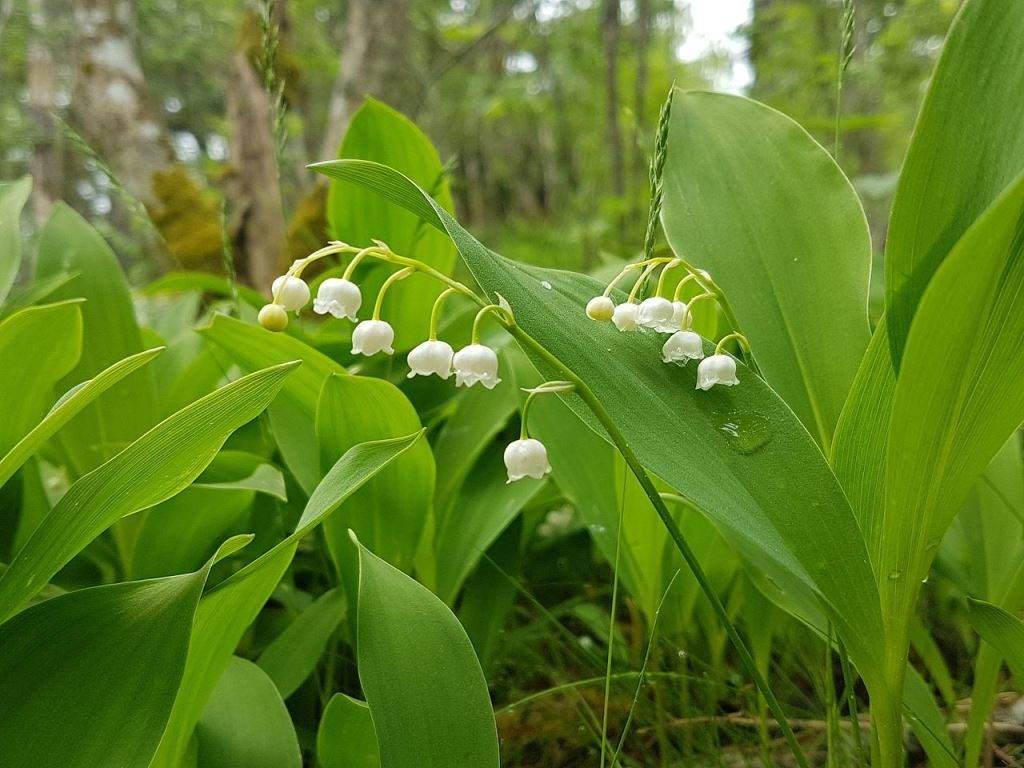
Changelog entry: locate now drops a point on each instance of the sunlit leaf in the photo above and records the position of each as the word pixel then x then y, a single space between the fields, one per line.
pixel 12 199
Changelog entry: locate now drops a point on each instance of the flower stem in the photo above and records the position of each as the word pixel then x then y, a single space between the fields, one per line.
pixel 682 284
pixel 435 311
pixel 735 335
pixel 687 318
pixel 506 318
pixel 392 279
pixel 651 266
pixel 664 271
pixel 617 438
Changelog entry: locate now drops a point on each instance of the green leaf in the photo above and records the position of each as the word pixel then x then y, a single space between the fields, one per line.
pixel 245 724
pixel 391 510
pixel 967 147
pixel 739 455
pixel 153 468
pixel 38 346
pixel 88 678
pixel 928 722
pixel 485 506
pixel 423 683
pixel 12 199
pixel 1002 630
pixel 227 610
pixel 66 407
pixel 959 396
pixel 377 132
pixel 104 427
pixel 752 198
pixel 293 414
pixel 346 738
pixel 293 654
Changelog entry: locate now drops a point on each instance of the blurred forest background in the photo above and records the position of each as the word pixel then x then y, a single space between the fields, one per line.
pixel 169 122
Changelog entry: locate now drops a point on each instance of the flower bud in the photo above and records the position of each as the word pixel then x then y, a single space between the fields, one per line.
pixel 656 312
pixel 373 336
pixel 476 363
pixel 431 357
pixel 625 316
pixel 717 369
pixel 526 458
pixel 290 292
pixel 339 297
pixel 273 317
pixel 682 346
pixel 600 308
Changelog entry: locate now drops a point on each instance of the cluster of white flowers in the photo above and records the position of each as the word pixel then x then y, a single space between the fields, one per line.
pixel 474 364
pixel 662 315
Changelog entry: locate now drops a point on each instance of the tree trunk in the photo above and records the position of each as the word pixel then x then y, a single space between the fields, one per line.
pixel 257 224
pixel 46 165
pixel 374 62
pixel 611 32
pixel 110 96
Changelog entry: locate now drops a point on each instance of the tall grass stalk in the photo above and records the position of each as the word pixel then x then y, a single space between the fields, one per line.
pixel 611 621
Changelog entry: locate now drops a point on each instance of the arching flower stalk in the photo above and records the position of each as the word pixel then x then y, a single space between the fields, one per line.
pixel 433 357
pixel 527 456
pixel 478 363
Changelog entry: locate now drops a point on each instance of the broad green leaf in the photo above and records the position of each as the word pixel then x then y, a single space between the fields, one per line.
pixel 12 200
pixel 1002 630
pixel 153 468
pixel 88 678
pixel 424 686
pixel 293 654
pixel 967 147
pixel 379 133
pixel 485 506
pixel 862 437
pixel 738 455
pixel 38 346
pixel 105 426
pixel 391 510
pixel 752 198
pixel 227 610
pixel 293 414
pixel 245 724
pixel 959 396
pixel 33 293
pixel 66 407
pixel 180 530
pixel 346 738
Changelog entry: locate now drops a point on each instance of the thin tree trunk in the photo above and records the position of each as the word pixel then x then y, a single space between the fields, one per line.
pixel 46 165
pixel 611 32
pixel 643 44
pixel 111 102
pixel 258 224
pixel 374 62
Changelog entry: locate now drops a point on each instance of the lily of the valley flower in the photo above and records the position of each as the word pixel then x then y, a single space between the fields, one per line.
pixel 656 312
pixel 526 458
pixel 600 308
pixel 476 363
pixel 683 346
pixel 273 317
pixel 626 316
pixel 373 336
pixel 290 292
pixel 432 357
pixel 339 297
pixel 717 369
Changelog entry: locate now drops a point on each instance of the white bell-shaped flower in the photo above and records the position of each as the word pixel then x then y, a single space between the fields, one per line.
pixel 476 363
pixel 655 312
pixel 626 316
pixel 681 347
pixel 373 336
pixel 432 357
pixel 681 318
pixel 600 308
pixel 273 317
pixel 290 292
pixel 339 297
pixel 717 369
pixel 526 458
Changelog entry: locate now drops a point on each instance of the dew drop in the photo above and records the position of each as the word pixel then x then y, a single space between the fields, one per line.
pixel 746 431
pixel 545 284
pixel 894 576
